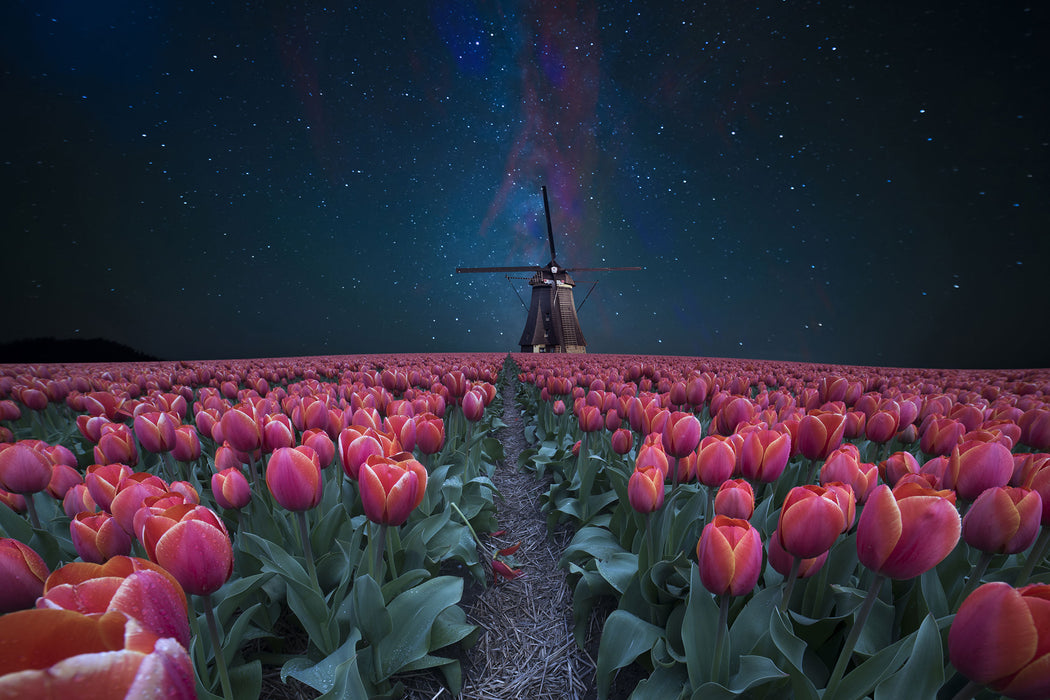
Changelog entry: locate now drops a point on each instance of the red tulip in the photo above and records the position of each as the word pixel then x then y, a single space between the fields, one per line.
pixel 1035 428
pixel 78 500
pixel 277 432
pixel 116 444
pixel 820 433
pixel 1003 520
pixel 715 461
pixel 781 561
pixel 136 587
pixel 192 544
pixel 651 454
pixel 155 431
pixel 940 436
pixel 24 469
pixel 844 465
pixel 558 408
pixel 811 519
pixel 1000 638
pixel 897 465
pixel 103 480
pixel 23 572
pixel 976 466
pixel 681 434
pixel 430 433
pixel 391 487
pixel 403 427
pixel 293 476
pixel 187 444
pixel 473 406
pixel 735 499
pixel 907 531
pixel 355 446
pixel 738 410
pixel 590 419
pixel 882 425
pixel 645 489
pixel 240 428
pixel 230 488
pixel 131 492
pixel 729 555
pixel 764 454
pixel 98 537
pixel 61 653
pixel 622 441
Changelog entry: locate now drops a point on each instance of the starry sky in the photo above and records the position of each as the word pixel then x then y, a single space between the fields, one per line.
pixel 809 181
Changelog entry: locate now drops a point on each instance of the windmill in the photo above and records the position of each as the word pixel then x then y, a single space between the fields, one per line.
pixel 552 324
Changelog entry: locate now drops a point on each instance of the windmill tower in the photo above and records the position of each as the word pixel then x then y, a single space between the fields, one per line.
pixel 552 324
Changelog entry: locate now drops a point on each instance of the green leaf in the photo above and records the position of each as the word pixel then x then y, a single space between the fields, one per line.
pixel 337 676
pixel 413 614
pixel 698 630
pixel 235 637
pixel 14 525
pixel 923 672
pixel 246 680
pixel 793 650
pixel 368 610
pixel 619 569
pixel 624 638
pixel 752 624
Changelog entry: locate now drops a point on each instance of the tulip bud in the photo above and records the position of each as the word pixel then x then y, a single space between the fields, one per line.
pixel 192 544
pixel 715 461
pixel 230 489
pixel 23 572
pixel 24 469
pixel 999 639
pixel 976 466
pixel 391 487
pixel 1003 520
pixel 681 433
pixel 897 465
pixel 907 531
pixel 473 406
pixel 645 489
pixel 293 476
pixel 590 419
pixel 98 537
pixel 735 499
pixel 811 519
pixel 820 433
pixel 764 454
pixel 729 555
pixel 622 441
pixel 187 444
pixel 155 431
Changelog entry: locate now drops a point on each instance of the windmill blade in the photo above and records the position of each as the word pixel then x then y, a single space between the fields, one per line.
pixel 547 213
pixel 531 268
pixel 600 269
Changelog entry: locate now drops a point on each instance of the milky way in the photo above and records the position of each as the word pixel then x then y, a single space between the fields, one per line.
pixel 800 180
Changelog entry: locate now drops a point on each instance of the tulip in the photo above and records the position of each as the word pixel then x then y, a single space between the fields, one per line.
pixel 391 487
pixel 98 537
pixel 738 410
pixel 277 431
pixel 882 425
pixel 590 419
pixel 729 555
pixel 23 572
pixel 820 433
pixel 715 461
pixel 155 431
pixel 131 492
pixel 844 465
pixel 783 561
pixel 192 544
pixel 645 489
pixel 103 481
pixel 24 469
pixel 681 433
pixel 811 519
pixel 78 500
pixel 62 653
pixel 1003 520
pixel 430 433
pixel 1000 638
pixel 116 445
pixel 976 466
pixel 941 436
pixel 622 441
pixel 897 465
pixel 355 447
pixel 473 406
pixel 240 428
pixel 293 475
pixel 1035 428
pixel 907 531
pixel 735 499
pixel 651 454
pixel 403 427
pixel 230 489
pixel 136 587
pixel 764 454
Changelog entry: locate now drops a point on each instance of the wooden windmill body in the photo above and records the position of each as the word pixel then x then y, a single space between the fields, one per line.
pixel 552 324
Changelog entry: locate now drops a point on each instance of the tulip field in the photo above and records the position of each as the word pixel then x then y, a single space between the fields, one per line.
pixel 739 529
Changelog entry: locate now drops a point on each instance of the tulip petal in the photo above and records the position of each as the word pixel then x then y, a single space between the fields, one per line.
pixel 879 528
pixel 929 532
pixel 992 635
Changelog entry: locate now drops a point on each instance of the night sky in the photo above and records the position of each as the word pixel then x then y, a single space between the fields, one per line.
pixel 863 184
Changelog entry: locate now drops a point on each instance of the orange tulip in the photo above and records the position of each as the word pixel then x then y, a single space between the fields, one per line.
pixel 907 531
pixel 61 653
pixel 729 555
pixel 1000 638
pixel 391 487
pixel 430 433
pixel 645 489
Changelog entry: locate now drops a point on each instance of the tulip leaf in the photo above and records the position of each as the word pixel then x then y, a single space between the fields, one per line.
pixel 230 597
pixel 337 676
pixel 14 525
pixel 923 673
pixel 235 636
pixel 246 680
pixel 368 611
pixel 933 593
pixel 698 631
pixel 618 569
pixel 413 614
pixel 752 624
pixel 793 650
pixel 662 684
pixel 624 638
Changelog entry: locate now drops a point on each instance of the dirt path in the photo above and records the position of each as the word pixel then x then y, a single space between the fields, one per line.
pixel 526 648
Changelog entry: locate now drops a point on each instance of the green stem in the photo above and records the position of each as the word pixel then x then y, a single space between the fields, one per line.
pixel 379 544
pixel 31 509
pixel 1037 554
pixel 304 538
pixel 709 513
pixel 790 583
pixel 216 644
pixel 975 578
pixel 720 638
pixel 854 635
